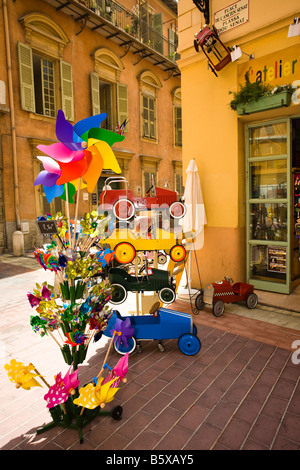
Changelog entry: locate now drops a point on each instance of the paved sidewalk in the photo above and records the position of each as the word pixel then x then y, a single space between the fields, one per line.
pixel 241 391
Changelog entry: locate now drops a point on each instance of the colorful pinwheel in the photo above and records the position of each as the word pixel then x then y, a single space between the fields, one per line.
pixel 83 151
pixel 22 375
pixel 92 396
pixel 75 338
pixel 62 389
pixel 124 331
pixel 118 372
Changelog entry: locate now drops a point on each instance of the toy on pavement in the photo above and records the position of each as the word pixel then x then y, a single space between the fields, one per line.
pixel 165 324
pixel 217 294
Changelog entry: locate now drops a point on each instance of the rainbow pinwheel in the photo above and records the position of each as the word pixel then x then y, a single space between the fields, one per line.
pixel 92 396
pixel 22 375
pixel 62 389
pixel 83 151
pixel 75 338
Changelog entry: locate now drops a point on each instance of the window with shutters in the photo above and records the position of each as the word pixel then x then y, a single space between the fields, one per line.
pixel 149 128
pixel 149 86
pixel 177 117
pixel 108 95
pixel 45 78
pixel 178 126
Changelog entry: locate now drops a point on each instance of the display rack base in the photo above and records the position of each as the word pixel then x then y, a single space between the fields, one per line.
pixel 76 421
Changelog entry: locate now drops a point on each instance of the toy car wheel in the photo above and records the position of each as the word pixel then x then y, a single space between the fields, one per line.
pixel 177 253
pixel 118 294
pixel 251 300
pixel 124 253
pixel 189 344
pixel 166 295
pixel 161 258
pixel 123 209
pixel 218 308
pixel 122 349
pixel 177 210
pixel 199 303
pixel 116 412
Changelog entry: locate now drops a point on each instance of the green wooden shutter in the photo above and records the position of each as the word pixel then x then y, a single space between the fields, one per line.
pixel 67 90
pixel 95 94
pixel 158 42
pixel 172 46
pixel 122 104
pixel 26 77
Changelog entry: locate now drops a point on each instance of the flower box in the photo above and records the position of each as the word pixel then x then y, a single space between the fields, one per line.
pixel 264 103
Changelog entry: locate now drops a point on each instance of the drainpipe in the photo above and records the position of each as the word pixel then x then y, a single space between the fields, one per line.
pixel 17 236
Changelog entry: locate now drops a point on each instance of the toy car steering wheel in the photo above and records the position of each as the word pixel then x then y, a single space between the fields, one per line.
pixel 228 278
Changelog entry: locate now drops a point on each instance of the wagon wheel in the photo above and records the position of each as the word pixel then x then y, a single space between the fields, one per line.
pixel 123 209
pixel 177 253
pixel 177 210
pixel 189 344
pixel 122 349
pixel 161 258
pixel 199 303
pixel 166 295
pixel 124 253
pixel 118 294
pixel 251 300
pixel 218 308
pixel 116 412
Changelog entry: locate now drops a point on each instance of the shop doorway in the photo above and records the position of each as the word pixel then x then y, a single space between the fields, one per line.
pixel 273 204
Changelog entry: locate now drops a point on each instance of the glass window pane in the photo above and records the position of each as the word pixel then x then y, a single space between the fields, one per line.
pixel 268 263
pixel 270 139
pixel 268 179
pixel 268 222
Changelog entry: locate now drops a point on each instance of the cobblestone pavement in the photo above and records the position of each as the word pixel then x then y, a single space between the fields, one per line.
pixel 241 391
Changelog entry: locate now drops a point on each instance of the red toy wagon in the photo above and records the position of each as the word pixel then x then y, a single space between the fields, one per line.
pixel 124 203
pixel 220 293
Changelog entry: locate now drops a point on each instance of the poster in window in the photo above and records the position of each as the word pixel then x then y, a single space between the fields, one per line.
pixel 277 259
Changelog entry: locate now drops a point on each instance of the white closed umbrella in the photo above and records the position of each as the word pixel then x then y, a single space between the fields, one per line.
pixel 195 217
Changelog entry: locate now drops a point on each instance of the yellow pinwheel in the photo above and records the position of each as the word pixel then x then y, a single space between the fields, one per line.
pixel 92 396
pixel 22 375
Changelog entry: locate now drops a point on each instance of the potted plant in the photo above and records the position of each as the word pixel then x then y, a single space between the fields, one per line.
pixel 258 96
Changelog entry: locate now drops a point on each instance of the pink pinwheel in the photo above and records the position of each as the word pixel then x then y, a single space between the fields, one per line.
pixel 63 387
pixel 118 372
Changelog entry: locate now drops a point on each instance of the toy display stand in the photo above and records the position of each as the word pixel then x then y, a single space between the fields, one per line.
pixel 70 416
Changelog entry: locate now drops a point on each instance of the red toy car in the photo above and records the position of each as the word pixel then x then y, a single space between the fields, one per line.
pixel 124 203
pixel 218 294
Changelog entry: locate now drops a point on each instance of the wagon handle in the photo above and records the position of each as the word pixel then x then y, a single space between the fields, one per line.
pixel 119 179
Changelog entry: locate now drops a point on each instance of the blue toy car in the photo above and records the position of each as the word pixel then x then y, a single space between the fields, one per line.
pixel 167 324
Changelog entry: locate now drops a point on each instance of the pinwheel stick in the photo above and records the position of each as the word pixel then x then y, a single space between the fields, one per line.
pixel 41 377
pixel 52 336
pixel 76 212
pixel 68 212
pixel 106 356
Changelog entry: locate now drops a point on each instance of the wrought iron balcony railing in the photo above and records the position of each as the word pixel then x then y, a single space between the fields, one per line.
pixel 135 26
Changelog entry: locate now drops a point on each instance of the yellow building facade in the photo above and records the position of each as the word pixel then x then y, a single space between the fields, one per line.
pixel 248 163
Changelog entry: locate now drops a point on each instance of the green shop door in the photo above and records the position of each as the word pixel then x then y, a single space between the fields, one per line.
pixel 269 196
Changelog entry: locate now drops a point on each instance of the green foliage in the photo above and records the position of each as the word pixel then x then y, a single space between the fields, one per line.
pixel 248 92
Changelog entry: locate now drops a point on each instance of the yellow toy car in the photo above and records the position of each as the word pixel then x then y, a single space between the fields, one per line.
pixel 126 242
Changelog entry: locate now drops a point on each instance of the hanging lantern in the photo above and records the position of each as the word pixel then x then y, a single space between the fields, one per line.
pixel 218 55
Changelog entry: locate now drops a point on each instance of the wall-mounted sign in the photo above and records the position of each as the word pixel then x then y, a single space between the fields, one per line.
pixel 277 259
pixel 47 227
pixel 231 16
